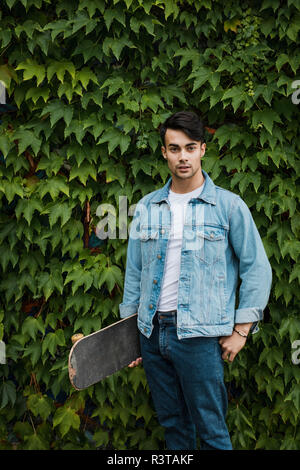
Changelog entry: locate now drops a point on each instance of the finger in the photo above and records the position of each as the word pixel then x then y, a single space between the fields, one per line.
pixel 135 363
pixel 232 356
pixel 132 364
pixel 225 355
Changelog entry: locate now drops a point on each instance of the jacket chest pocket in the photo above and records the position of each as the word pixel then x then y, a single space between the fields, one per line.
pixel 208 243
pixel 149 245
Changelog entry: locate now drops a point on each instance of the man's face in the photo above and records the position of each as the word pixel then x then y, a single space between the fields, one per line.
pixel 183 154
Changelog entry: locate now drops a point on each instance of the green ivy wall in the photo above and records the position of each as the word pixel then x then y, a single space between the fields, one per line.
pixel 87 85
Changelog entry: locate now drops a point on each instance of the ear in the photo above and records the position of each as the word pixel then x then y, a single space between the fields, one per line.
pixel 163 151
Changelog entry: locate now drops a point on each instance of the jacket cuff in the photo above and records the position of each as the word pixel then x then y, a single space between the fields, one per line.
pixel 254 328
pixel 128 309
pixel 248 315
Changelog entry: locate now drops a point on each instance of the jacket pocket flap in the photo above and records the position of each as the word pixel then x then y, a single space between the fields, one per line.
pixel 148 234
pixel 211 233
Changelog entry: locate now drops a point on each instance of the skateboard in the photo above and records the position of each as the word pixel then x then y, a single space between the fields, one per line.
pixel 99 355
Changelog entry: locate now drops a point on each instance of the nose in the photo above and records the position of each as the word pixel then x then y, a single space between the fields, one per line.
pixel 183 156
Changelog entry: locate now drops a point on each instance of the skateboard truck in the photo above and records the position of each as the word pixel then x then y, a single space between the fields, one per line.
pixel 76 337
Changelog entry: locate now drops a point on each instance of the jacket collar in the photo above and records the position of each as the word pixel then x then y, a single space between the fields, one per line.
pixel 208 193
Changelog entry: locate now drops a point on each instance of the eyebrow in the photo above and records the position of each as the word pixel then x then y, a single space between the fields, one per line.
pixel 187 145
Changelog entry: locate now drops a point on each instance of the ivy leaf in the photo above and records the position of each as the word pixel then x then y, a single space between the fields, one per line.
pixel 80 277
pixel 27 207
pixel 111 276
pixel 54 186
pixel 60 69
pixel 114 138
pixel 57 110
pixel 111 14
pixel 294 396
pixel 31 326
pixel 66 418
pixel 101 438
pixel 48 282
pixel 5 144
pixel 171 8
pixel 86 75
pixel 36 93
pixel 267 117
pixel 291 247
pixel 57 211
pixel 52 166
pixel 281 60
pixel 232 24
pixel 144 164
pixel 32 69
pixel 152 100
pixel 113 172
pixel 238 96
pixel 188 55
pixel 35 442
pixel 52 341
pixel 27 138
pixel 76 128
pixel 40 405
pixel 7 393
pixel 144 411
pixel 87 324
pixel 57 27
pixel 83 172
pixel 295 274
pixel 33 350
pixel 114 84
pixel 294 26
pixel 202 75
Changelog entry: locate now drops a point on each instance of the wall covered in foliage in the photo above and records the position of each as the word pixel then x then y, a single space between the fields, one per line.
pixel 87 84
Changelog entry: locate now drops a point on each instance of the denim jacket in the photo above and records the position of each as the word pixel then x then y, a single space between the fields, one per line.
pixel 221 246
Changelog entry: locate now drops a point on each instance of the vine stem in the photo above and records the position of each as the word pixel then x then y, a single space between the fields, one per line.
pixel 32 423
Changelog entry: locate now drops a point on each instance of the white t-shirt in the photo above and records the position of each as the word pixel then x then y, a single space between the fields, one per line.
pixel 169 289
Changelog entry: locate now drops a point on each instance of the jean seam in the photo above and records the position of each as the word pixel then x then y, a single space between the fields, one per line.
pixel 219 378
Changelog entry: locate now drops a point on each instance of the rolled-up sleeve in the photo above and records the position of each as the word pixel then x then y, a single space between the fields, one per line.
pixel 255 270
pixel 131 295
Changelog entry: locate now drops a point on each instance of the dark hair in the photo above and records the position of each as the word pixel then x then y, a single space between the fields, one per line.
pixel 186 121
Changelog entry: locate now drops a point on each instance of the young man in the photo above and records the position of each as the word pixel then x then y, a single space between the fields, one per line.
pixel 189 243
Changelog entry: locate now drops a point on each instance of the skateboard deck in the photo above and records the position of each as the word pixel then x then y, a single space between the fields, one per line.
pixel 98 355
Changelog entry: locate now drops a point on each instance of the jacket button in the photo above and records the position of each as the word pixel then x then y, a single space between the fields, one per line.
pixel 151 306
pixel 212 235
pixel 159 256
pixel 154 281
pixel 162 230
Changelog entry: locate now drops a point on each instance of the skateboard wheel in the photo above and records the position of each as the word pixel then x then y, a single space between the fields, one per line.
pixel 76 337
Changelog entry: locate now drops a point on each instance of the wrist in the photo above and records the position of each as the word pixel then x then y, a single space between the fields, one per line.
pixel 243 327
pixel 240 333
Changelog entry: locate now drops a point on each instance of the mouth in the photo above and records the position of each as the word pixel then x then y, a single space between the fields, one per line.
pixel 183 167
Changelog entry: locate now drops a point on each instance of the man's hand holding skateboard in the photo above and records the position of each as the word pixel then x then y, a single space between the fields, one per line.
pixel 135 363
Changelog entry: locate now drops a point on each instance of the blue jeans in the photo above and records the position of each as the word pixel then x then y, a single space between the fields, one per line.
pixel 186 381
